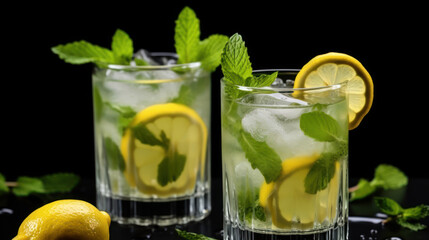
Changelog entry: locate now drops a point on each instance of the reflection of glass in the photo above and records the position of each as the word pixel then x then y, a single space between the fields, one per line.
pixel 297 137
pixel 151 133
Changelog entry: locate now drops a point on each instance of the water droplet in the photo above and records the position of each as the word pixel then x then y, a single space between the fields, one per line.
pixel 362 237
pixel 373 232
pixel 393 238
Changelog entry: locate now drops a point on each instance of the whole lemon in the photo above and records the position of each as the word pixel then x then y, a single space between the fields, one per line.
pixel 65 219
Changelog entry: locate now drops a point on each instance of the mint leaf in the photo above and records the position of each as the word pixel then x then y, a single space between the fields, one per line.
pixel 319 126
pixel 363 189
pixel 185 96
pixel 209 51
pixel 114 157
pixel 261 80
pixel 81 52
pixel 235 62
pixel 187 35
pixel 27 185
pixel 170 168
pixel 192 236
pixel 321 173
pixel 410 225
pixel 388 206
pixel 142 133
pixel 3 187
pixel 126 115
pixel 404 217
pixel 248 203
pixel 389 177
pixel 416 213
pixel 122 47
pixel 59 182
pixel 261 156
pixel 386 177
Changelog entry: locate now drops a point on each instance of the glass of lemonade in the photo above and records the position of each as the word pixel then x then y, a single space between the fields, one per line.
pixel 152 127
pixel 284 160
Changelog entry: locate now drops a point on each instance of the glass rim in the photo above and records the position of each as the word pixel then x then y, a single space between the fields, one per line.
pixel 155 67
pixel 283 89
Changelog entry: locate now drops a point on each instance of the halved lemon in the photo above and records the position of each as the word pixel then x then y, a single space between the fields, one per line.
pixel 332 68
pixel 288 203
pixel 174 143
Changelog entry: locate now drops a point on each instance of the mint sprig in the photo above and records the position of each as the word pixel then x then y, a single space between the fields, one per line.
pixel 190 48
pixel 47 184
pixel 237 70
pixel 192 236
pixel 405 217
pixel 81 52
pixel 172 165
pixel 323 128
pixel 386 177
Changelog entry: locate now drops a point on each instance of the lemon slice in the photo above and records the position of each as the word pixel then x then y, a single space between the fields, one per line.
pixel 333 68
pixel 178 137
pixel 288 203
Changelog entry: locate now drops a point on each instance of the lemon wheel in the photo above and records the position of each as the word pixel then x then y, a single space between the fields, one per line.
pixel 332 68
pixel 164 149
pixel 288 203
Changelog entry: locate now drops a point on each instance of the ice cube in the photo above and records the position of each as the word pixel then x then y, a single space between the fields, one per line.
pixel 156 58
pixel 247 176
pixel 280 129
pixel 124 88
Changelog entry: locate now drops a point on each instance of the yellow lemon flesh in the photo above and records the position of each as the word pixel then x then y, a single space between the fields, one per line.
pixel 288 203
pixel 333 68
pixel 185 136
pixel 65 219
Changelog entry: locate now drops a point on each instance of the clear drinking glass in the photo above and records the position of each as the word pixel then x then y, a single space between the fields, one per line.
pixel 152 127
pixel 284 160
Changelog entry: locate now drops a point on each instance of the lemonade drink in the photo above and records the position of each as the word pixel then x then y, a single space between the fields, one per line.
pixel 284 156
pixel 151 136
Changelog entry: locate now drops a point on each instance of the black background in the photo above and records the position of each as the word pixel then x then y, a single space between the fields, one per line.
pixel 47 103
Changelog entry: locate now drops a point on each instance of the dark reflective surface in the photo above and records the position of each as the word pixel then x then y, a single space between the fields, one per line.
pixel 365 221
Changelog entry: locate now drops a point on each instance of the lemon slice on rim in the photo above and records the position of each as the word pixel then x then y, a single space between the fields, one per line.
pixel 288 203
pixel 332 68
pixel 164 148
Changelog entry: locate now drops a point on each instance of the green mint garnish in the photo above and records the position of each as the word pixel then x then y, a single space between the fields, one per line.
pixel 81 52
pixel 190 48
pixel 261 156
pixel 145 136
pixel 319 126
pixel 59 182
pixel 48 184
pixel 321 173
pixel 114 157
pixel 323 128
pixel 3 187
pixel 171 167
pixel 187 35
pixel 27 185
pixel 237 69
pixel 248 204
pixel 192 236
pixel 385 177
pixel 405 217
